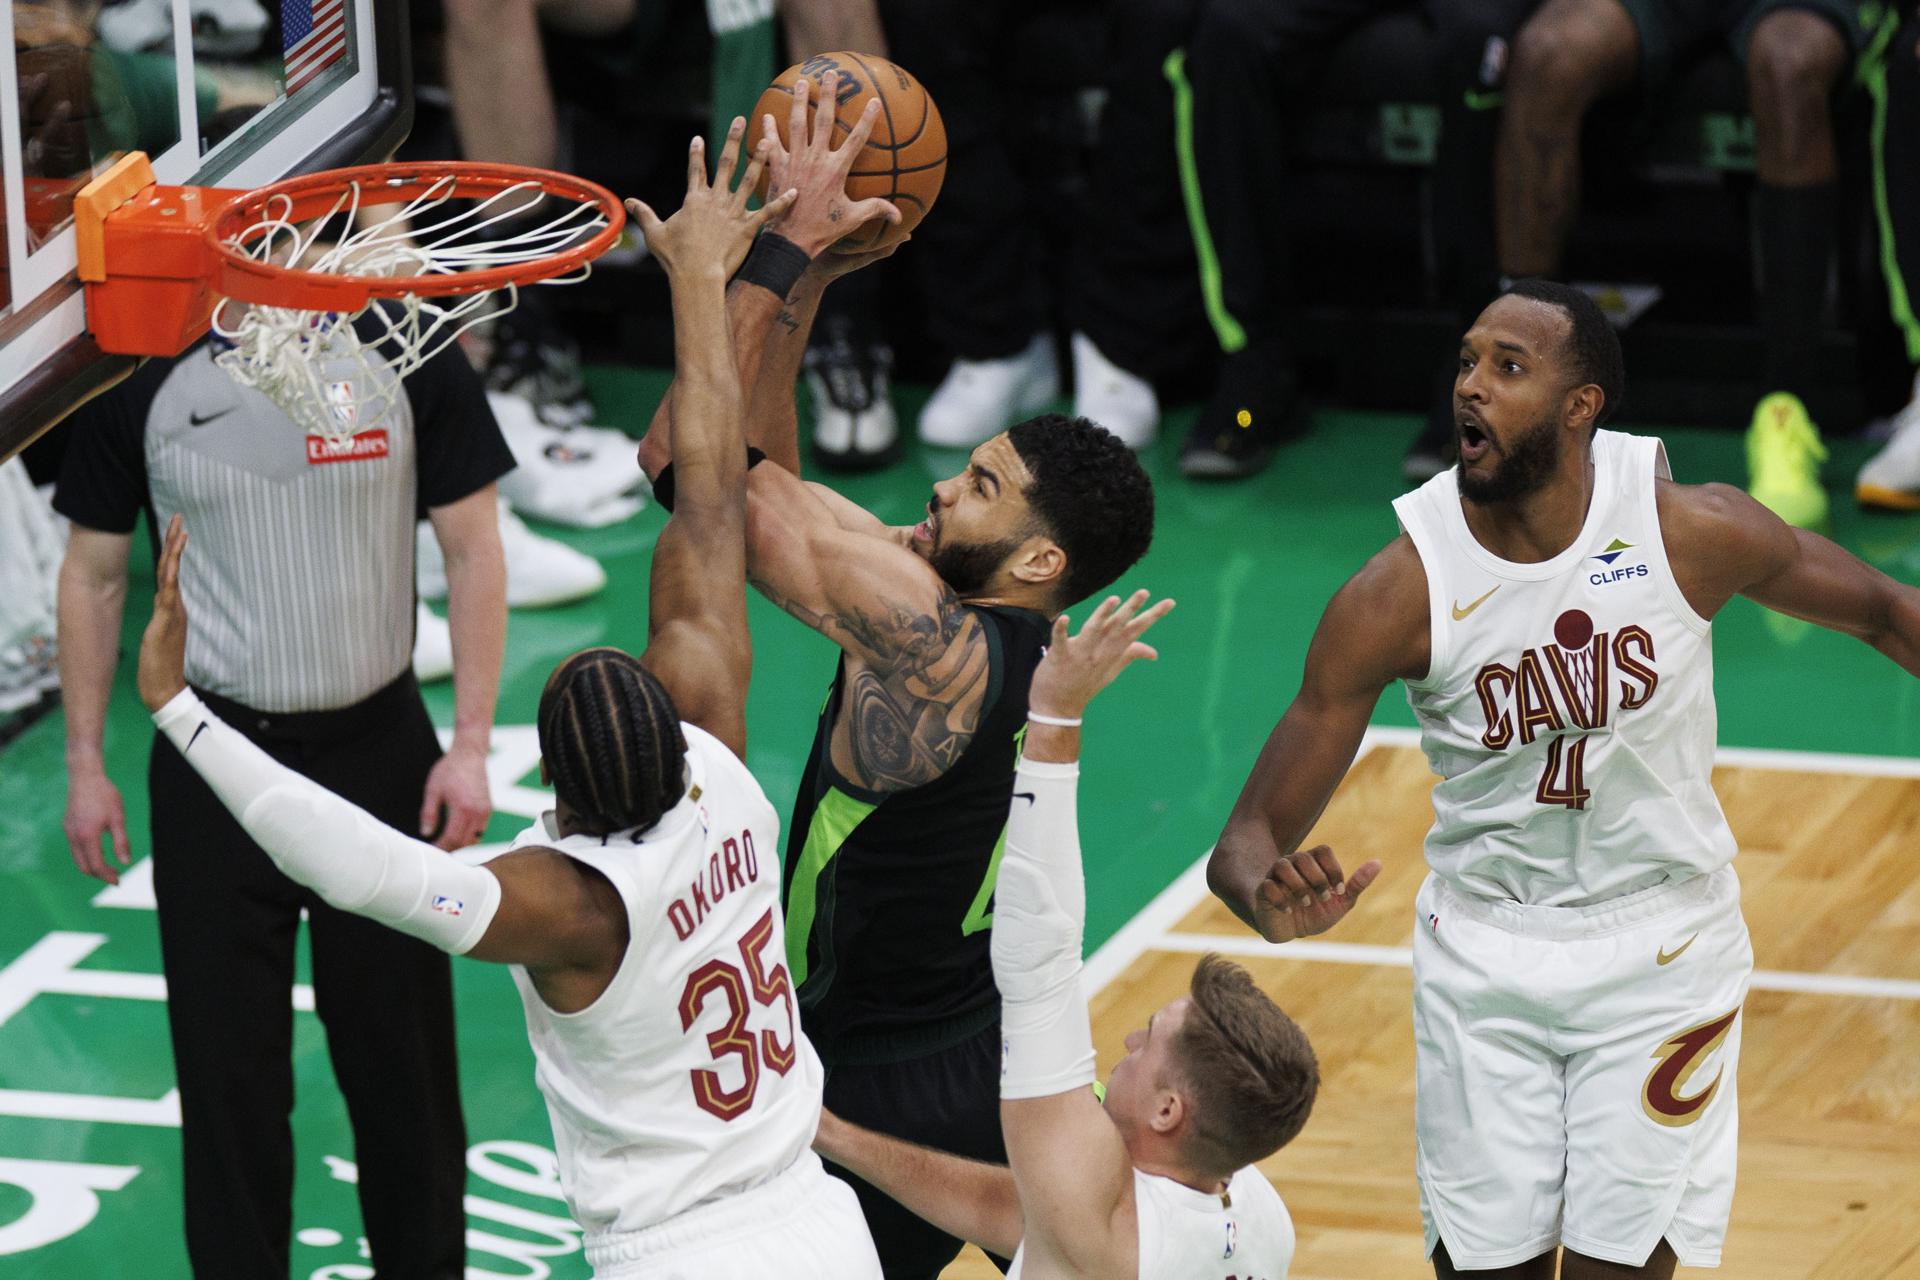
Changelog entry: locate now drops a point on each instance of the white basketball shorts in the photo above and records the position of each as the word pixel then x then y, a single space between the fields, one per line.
pixel 803 1223
pixel 1575 1072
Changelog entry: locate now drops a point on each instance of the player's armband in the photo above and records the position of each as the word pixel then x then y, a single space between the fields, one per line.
pixel 663 483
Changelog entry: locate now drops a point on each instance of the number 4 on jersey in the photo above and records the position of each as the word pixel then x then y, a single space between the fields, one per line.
pixel 1563 781
pixel 733 1037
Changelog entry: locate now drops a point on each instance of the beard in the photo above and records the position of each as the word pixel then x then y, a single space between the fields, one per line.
pixel 968 567
pixel 1523 469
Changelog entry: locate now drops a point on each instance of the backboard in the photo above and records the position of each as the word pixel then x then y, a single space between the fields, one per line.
pixel 232 93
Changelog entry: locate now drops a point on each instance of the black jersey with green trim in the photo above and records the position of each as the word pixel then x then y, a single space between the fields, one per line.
pixel 889 897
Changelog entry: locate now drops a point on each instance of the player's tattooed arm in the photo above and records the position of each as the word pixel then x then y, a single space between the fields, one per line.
pixel 916 683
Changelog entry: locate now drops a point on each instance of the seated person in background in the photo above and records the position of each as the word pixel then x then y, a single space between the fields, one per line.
pixel 1891 478
pixel 1159 1183
pixel 1572 53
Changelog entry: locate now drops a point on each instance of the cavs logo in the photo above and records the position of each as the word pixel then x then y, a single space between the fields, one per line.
pixel 1663 1097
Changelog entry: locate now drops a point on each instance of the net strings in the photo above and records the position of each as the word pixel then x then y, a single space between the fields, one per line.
pixel 316 365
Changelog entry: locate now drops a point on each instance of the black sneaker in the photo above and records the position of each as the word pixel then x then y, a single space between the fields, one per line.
pixel 854 425
pixel 1255 407
pixel 533 359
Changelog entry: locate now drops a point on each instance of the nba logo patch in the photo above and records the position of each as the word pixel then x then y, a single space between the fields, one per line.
pixel 1233 1238
pixel 340 402
pixel 447 906
pixel 1433 921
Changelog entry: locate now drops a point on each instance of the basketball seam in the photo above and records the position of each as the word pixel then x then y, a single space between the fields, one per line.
pixel 893 139
pixel 912 168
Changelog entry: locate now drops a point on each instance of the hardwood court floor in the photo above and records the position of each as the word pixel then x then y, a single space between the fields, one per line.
pixel 89 1115
pixel 1829 1183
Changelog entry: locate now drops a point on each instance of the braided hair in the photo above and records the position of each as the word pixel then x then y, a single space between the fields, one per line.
pixel 611 741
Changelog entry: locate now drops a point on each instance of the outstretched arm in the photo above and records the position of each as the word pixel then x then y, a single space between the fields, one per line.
pixel 1722 543
pixel 540 910
pixel 967 1198
pixel 1374 631
pixel 1068 1159
pixel 770 323
pixel 697 642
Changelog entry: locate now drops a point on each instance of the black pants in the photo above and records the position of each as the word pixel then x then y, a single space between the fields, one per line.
pixel 981 254
pixel 949 1101
pixel 1249 64
pixel 227 923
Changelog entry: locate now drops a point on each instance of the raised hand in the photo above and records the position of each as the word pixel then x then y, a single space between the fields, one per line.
pixel 163 648
pixel 1077 667
pixel 713 228
pixel 817 171
pixel 1306 893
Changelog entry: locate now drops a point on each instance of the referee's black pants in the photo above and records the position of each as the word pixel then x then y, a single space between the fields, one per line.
pixel 227 923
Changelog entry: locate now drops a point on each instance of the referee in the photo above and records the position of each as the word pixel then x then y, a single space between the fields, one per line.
pixel 302 592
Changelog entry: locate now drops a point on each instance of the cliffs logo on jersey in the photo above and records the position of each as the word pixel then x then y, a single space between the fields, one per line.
pixel 1616 573
pixel 1563 691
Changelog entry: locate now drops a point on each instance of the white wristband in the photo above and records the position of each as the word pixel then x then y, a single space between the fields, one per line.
pixel 1061 721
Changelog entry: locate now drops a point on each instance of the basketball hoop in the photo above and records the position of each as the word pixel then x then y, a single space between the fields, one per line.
pixel 271 273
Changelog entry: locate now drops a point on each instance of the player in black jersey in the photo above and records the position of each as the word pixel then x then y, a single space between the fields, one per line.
pixel 897 830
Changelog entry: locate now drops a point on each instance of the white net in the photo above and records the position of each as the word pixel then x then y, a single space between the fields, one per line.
pixel 320 366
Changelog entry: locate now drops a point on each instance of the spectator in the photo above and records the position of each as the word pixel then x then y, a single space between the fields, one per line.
pixel 1891 478
pixel 1572 53
pixel 303 588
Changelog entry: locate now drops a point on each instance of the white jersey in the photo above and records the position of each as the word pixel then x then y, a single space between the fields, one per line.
pixel 1569 706
pixel 1191 1235
pixel 688 1080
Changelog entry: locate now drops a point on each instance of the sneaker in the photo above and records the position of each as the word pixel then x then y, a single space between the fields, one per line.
pixel 432 646
pixel 540 571
pixel 978 399
pixel 1103 392
pixel 227 28
pixel 854 426
pixel 1784 454
pixel 1891 478
pixel 539 364
pixel 136 25
pixel 586 477
pixel 1255 406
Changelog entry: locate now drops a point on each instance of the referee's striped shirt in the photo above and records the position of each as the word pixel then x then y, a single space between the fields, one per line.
pixel 299 573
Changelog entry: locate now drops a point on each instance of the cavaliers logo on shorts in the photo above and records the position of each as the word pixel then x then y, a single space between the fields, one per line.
pixel 1663 1096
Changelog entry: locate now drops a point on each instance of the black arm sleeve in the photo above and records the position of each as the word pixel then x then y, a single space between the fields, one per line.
pixel 460 446
pixel 103 477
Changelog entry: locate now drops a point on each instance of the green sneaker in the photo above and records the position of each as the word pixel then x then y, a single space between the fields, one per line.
pixel 1784 454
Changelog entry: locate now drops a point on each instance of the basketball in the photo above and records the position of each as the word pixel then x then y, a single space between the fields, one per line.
pixel 905 158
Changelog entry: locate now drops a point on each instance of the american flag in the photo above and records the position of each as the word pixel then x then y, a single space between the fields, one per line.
pixel 313 35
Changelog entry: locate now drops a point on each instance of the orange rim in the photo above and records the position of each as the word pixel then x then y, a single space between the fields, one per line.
pixel 314 195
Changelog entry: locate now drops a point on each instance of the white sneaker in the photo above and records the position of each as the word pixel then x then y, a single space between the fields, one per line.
pixel 1122 402
pixel 854 426
pixel 540 571
pixel 978 399
pixel 227 28
pixel 432 646
pixel 136 25
pixel 1891 478
pixel 585 477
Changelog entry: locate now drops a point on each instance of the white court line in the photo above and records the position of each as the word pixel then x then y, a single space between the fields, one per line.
pixel 1823 984
pixel 1151 928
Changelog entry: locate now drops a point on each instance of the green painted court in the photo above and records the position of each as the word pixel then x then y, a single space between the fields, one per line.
pixel 86 1119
